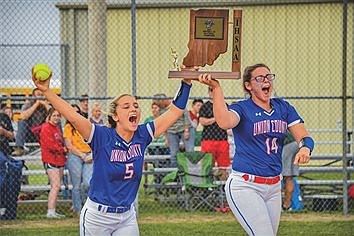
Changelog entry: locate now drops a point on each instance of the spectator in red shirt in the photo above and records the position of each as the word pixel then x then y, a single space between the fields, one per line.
pixel 214 138
pixel 53 157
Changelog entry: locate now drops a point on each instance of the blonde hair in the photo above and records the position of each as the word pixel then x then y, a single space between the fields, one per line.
pixel 95 106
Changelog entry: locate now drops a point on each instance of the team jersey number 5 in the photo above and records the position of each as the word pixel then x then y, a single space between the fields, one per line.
pixel 129 170
pixel 271 145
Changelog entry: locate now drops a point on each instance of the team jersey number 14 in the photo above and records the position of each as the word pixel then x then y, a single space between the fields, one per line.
pixel 271 145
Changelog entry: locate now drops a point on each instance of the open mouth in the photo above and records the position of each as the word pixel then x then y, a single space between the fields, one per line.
pixel 133 118
pixel 265 89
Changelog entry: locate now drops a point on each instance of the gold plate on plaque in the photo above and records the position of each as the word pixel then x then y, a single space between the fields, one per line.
pixel 209 28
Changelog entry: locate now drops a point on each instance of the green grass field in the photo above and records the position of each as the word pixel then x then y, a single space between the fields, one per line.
pixel 291 224
pixel 158 219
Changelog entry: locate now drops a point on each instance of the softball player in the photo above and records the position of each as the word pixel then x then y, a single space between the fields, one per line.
pixel 118 155
pixel 259 125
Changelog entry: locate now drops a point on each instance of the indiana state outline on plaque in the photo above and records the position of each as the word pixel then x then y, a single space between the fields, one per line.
pixel 208 36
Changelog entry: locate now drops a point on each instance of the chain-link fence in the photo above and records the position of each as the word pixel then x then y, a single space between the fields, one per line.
pixel 102 49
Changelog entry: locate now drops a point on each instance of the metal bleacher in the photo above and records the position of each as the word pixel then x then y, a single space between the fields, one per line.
pixel 33 158
pixel 311 188
pixel 323 180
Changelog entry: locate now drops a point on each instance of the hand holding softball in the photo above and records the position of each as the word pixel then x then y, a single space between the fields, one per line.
pixel 42 85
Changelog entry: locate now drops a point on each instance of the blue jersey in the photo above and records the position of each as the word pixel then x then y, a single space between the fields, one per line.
pixel 259 136
pixel 117 165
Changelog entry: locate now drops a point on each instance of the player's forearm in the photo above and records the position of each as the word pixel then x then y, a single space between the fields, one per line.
pixel 7 134
pixel 206 121
pixel 177 108
pixel 27 113
pixel 167 119
pixel 220 109
pixel 82 125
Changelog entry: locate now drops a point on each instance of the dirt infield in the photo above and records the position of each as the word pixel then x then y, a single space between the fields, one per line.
pixel 306 217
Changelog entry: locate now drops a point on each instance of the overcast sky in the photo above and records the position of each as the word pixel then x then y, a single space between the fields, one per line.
pixel 24 23
pixel 29 34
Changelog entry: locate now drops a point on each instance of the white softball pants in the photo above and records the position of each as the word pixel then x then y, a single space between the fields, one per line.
pixel 94 222
pixel 257 207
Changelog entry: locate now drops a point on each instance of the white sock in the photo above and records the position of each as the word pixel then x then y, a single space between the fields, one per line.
pixel 51 211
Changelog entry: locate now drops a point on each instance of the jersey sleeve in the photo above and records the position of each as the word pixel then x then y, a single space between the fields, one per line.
pixel 236 108
pixel 148 130
pixel 293 116
pixel 92 132
pixel 100 136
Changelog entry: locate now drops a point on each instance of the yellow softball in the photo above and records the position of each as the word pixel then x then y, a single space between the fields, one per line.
pixel 41 72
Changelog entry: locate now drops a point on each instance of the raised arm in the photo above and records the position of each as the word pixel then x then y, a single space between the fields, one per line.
pixel 225 118
pixel 24 115
pixel 176 109
pixel 82 125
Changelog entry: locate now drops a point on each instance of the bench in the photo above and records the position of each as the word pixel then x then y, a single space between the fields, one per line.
pixel 307 169
pixel 39 172
pixel 39 189
pixel 154 170
pixel 323 195
pixel 324 191
pixel 330 156
pixel 36 189
pixel 323 182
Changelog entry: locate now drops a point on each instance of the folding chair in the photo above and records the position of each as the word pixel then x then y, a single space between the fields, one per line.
pixel 195 172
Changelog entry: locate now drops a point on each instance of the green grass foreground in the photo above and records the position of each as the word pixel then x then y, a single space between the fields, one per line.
pixel 291 224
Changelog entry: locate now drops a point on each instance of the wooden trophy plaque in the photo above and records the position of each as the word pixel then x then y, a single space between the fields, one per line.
pixel 208 38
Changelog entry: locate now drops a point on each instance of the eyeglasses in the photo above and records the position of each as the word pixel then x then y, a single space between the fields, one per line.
pixel 261 78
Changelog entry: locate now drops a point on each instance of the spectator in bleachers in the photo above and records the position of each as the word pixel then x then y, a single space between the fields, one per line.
pixel 10 174
pixel 32 116
pixel 53 157
pixel 194 116
pixel 178 132
pixel 84 105
pixel 96 114
pixel 8 111
pixel 154 112
pixel 290 170
pixel 79 163
pixel 159 145
pixel 6 135
pixel 2 105
pixel 214 139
